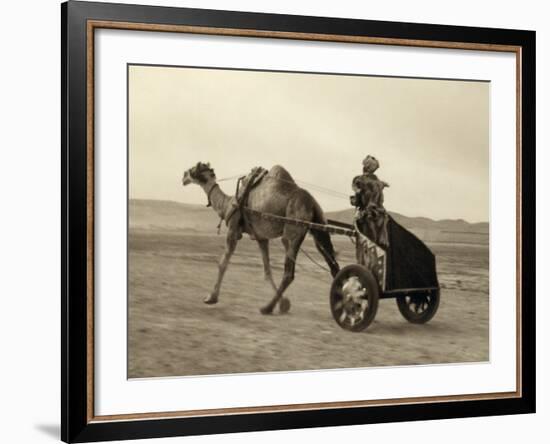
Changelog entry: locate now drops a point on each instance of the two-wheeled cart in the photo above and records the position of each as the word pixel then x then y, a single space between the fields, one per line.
pixel 404 270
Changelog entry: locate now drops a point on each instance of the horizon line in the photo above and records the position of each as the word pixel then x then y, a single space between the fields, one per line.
pixel 326 212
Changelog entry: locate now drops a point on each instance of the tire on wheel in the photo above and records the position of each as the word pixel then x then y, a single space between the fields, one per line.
pixel 354 298
pixel 419 307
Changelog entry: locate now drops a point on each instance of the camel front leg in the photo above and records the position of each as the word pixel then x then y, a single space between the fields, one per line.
pixel 230 245
pixel 264 248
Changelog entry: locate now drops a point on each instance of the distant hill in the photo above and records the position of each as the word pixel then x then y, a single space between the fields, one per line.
pixel 191 218
pixel 423 223
pixel 429 230
pixel 169 215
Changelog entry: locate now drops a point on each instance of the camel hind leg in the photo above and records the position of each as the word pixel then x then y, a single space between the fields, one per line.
pixel 325 247
pixel 292 240
pixel 264 248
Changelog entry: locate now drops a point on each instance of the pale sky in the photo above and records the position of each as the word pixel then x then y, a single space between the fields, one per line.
pixel 430 136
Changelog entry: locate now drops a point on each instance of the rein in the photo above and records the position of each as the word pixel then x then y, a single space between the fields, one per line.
pixel 312 186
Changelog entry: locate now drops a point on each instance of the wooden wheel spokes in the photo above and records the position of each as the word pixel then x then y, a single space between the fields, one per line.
pixel 353 304
pixel 352 300
pixel 418 304
pixel 419 308
pixel 352 312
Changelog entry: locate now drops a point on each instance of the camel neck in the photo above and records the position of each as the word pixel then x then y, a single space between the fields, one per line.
pixel 217 198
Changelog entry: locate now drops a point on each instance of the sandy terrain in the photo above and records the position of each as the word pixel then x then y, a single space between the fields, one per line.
pixel 172 333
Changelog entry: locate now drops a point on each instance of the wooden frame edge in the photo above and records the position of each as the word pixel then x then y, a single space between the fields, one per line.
pixel 90 185
pixel 336 38
pixel 302 407
pixel 519 219
pixel 91 25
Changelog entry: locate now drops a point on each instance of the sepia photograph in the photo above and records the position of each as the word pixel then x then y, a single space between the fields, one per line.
pixel 295 221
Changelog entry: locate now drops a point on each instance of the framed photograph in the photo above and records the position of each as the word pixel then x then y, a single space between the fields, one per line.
pixel 275 221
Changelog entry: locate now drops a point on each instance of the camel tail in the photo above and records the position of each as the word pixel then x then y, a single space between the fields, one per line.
pixel 323 241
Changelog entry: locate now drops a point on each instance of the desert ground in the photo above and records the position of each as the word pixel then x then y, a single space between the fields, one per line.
pixel 173 255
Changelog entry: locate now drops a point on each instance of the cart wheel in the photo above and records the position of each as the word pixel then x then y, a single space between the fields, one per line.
pixel 284 305
pixel 419 308
pixel 354 298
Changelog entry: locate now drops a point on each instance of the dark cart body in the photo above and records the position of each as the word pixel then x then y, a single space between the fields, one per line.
pixel 405 265
pixel 410 263
pixel 404 269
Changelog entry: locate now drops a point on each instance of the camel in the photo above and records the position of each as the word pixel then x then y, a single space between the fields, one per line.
pixel 277 194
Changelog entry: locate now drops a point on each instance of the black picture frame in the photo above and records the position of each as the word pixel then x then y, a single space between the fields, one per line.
pixel 76 423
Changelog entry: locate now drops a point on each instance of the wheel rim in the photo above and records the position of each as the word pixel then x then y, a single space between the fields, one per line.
pixel 352 302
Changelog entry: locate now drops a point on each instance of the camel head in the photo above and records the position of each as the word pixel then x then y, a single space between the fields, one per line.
pixel 201 173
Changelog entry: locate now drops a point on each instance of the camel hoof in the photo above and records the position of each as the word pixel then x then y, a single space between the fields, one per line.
pixel 267 310
pixel 284 305
pixel 211 299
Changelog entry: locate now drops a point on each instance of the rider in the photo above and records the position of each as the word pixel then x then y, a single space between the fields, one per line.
pixel 369 201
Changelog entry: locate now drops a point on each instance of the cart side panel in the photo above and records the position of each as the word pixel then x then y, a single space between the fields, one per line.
pixel 410 263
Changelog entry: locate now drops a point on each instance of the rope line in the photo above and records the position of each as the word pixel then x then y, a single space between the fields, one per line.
pixel 313 186
pixel 322 267
pixel 229 178
pixel 320 188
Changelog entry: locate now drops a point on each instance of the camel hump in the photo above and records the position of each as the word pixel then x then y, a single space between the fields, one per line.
pixel 281 173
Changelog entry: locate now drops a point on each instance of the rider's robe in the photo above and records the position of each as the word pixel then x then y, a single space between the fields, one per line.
pixel 369 200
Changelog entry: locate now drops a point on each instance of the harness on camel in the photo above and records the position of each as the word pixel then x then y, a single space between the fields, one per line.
pixel 245 184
